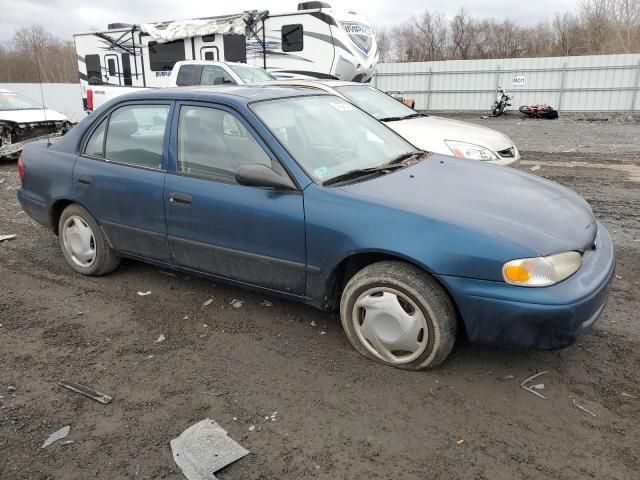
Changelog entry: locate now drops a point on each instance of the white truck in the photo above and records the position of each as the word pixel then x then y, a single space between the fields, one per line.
pixel 315 40
pixel 185 73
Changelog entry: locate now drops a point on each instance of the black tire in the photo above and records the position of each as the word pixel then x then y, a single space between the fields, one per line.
pixel 524 109
pixel 497 111
pixel 106 259
pixel 430 297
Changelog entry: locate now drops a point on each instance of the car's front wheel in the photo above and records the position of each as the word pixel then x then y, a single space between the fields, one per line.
pixel 83 244
pixel 397 314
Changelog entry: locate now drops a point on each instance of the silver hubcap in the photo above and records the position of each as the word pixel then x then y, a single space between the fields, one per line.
pixel 390 325
pixel 79 242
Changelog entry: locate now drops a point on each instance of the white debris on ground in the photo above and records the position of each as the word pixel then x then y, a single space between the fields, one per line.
pixel 266 303
pixel 208 302
pixel 7 237
pixel 57 435
pixel 144 294
pixel 203 449
pixel 161 339
pixel 236 303
pixel 535 168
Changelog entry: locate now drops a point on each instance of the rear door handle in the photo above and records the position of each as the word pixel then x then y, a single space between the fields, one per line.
pixel 180 198
pixel 84 180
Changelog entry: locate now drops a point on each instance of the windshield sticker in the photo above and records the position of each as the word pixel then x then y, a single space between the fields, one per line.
pixel 343 106
pixel 322 172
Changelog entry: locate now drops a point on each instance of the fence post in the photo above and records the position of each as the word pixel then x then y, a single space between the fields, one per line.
pixel 562 83
pixel 497 82
pixel 635 90
pixel 429 89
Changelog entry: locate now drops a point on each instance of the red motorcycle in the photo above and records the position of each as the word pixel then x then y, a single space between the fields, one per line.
pixel 542 110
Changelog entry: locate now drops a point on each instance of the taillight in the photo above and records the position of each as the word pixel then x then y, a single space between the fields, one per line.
pixel 89 99
pixel 20 168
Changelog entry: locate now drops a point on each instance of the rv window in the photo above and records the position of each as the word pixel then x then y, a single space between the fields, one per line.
pixel 212 75
pixel 188 75
pixel 94 69
pixel 208 56
pixel 163 56
pixel 112 66
pixel 208 38
pixel 292 38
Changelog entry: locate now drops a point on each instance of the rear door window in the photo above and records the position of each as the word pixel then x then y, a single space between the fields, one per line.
pixel 135 135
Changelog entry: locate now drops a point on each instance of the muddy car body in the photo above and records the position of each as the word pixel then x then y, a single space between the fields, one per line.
pixel 298 193
pixel 23 121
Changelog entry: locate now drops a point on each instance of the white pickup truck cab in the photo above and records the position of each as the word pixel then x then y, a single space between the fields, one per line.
pixel 186 73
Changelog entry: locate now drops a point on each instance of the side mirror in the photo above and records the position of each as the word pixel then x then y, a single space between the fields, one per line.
pixel 218 81
pixel 259 175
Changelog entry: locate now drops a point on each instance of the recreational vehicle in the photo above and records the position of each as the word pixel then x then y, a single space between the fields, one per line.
pixel 315 40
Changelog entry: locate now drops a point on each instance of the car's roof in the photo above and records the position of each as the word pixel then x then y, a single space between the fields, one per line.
pixel 311 83
pixel 242 93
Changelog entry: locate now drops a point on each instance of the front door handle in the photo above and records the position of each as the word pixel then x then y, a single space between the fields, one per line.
pixel 84 180
pixel 180 198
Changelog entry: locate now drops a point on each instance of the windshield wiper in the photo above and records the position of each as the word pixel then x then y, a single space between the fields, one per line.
pixel 393 164
pixel 360 172
pixel 402 158
pixel 404 117
pixel 414 115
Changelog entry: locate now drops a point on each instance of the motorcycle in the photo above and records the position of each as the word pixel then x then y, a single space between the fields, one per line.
pixel 502 103
pixel 542 110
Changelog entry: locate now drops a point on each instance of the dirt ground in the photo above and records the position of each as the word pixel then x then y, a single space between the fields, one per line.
pixel 339 416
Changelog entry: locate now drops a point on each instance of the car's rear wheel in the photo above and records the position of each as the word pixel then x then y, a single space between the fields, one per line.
pixel 83 244
pixel 397 314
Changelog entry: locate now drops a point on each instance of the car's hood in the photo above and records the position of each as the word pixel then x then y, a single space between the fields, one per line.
pixel 429 133
pixel 28 116
pixel 539 216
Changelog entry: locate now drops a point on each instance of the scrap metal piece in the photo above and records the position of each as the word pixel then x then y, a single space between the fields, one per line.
pixel 7 237
pixel 531 389
pixel 86 391
pixel 203 449
pixel 57 435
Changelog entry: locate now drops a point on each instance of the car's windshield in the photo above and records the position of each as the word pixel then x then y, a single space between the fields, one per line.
pixel 13 101
pixel 375 102
pixel 328 136
pixel 250 74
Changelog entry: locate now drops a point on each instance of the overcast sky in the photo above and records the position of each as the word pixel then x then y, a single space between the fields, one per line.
pixel 65 17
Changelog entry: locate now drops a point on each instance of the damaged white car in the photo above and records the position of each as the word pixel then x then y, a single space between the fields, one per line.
pixel 23 121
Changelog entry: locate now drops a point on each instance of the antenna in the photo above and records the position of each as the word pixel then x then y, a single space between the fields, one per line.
pixel 44 108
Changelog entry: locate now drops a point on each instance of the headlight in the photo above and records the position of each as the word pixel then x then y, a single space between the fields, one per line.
pixel 471 151
pixel 541 271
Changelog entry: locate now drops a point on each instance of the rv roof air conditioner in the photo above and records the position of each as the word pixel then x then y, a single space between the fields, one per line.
pixel 115 26
pixel 312 5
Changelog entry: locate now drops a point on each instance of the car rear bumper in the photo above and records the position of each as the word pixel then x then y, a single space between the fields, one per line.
pixel 547 318
pixel 35 209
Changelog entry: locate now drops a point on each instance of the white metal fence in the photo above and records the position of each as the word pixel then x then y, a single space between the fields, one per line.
pixel 602 83
pixel 63 97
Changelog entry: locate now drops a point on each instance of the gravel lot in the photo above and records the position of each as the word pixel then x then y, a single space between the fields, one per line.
pixel 339 416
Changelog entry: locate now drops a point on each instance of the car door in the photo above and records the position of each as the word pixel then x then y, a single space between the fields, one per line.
pixel 119 178
pixel 247 234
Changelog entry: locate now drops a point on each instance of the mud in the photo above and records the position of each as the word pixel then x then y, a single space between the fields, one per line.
pixel 339 415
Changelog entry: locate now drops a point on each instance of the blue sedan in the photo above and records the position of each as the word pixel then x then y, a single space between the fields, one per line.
pixel 300 194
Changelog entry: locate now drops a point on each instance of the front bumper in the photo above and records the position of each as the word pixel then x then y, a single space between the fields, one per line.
pixel 547 318
pixel 513 161
pixel 15 148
